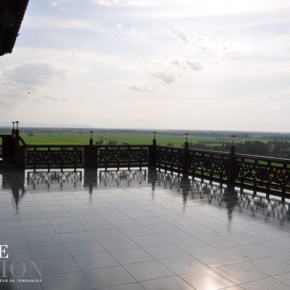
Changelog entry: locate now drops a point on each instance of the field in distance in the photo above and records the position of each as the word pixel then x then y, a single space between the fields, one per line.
pixel 132 138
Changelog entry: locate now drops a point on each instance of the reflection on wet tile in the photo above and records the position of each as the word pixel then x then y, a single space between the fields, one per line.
pixel 133 286
pixel 169 283
pixel 118 244
pixel 38 230
pixel 69 238
pixel 14 243
pixel 48 252
pixel 11 233
pixel 148 270
pixel 70 281
pixel 285 278
pixel 21 286
pixel 183 265
pixel 131 256
pixel 62 220
pixel 67 228
pixel 18 254
pixel 136 231
pixel 270 266
pixel 106 234
pixel 163 233
pixel 241 273
pixel 217 258
pixel 245 253
pixel 149 240
pixel 285 257
pixel 164 251
pixel 101 278
pixel 44 240
pixel 6 224
pixel 204 280
pixel 95 261
pixel 55 266
pixel 266 284
pixel 83 248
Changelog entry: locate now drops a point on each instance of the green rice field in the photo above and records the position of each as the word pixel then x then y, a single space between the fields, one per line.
pixel 120 138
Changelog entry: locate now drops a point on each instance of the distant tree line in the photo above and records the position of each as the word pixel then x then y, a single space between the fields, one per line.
pixel 275 148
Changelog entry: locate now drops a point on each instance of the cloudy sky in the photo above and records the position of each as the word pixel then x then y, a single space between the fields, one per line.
pixel 172 64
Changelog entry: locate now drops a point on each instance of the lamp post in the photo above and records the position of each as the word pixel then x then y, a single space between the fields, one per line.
pixel 186 144
pixel 13 129
pixel 91 138
pixel 17 130
pixel 233 146
pixel 154 137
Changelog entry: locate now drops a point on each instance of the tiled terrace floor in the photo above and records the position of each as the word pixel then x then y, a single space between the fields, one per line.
pixel 141 231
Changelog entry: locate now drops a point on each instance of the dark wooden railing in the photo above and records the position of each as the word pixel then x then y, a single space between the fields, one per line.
pixel 74 156
pixel 260 172
pixel 122 156
pixel 247 171
pixel 53 156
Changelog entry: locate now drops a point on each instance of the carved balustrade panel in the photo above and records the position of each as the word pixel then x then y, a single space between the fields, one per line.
pixel 170 157
pixel 264 173
pixel 54 156
pixel 208 164
pixel 126 156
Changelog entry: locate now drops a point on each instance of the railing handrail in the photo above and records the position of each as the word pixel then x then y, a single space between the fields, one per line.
pixel 261 157
pixel 22 141
pixel 123 145
pixel 53 145
pixel 197 150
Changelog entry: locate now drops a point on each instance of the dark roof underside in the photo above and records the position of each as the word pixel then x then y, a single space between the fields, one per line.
pixel 11 16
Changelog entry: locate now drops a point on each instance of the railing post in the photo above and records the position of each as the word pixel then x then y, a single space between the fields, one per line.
pixel 186 161
pixel 20 157
pixel 90 156
pixel 232 164
pixel 90 153
pixel 152 152
pixel 16 137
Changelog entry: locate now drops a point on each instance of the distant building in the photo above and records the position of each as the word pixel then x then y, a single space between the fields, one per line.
pixel 11 16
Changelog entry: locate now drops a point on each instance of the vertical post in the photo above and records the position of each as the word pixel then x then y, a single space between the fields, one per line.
pixel 13 129
pixel 232 163
pixel 90 153
pixel 91 138
pixel 152 153
pixel 17 130
pixel 15 140
pixel 186 161
pixel 20 157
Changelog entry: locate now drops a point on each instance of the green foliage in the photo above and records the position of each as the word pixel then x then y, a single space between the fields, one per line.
pixel 244 145
pixel 120 138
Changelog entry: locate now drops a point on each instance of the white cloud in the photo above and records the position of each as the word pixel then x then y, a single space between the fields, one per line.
pixel 58 3
pixel 123 33
pixel 63 53
pixel 180 34
pixel 54 99
pixel 164 77
pixel 136 3
pixel 45 22
pixel 55 4
pixel 194 65
pixel 187 65
pixel 142 89
pixel 33 73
